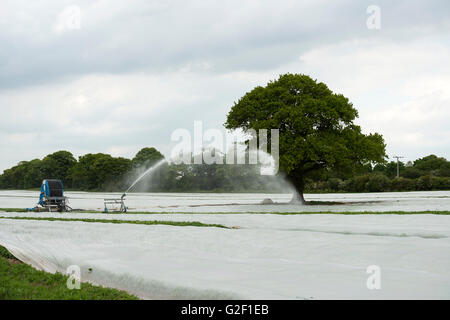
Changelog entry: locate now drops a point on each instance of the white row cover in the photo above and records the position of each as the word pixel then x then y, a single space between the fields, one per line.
pixel 270 257
pixel 242 202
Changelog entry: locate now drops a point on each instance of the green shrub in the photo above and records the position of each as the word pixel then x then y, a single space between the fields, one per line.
pixel 441 183
pixel 425 183
pixel 360 183
pixel 378 183
pixel 334 184
pixel 412 173
pixel 403 184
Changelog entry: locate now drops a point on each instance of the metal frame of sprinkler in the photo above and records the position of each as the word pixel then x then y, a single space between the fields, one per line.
pixel 115 201
pixel 123 208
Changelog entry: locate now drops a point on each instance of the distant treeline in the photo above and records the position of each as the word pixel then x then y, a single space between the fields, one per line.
pixel 102 172
pixel 428 173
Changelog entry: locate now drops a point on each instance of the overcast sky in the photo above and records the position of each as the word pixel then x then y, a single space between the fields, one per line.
pixel 116 76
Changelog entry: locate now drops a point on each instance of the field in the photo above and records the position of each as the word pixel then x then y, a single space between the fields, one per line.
pixel 214 246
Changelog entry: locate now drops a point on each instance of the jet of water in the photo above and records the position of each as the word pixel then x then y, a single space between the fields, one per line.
pixel 151 169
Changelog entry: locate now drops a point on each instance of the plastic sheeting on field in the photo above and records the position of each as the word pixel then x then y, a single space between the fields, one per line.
pixel 243 202
pixel 270 257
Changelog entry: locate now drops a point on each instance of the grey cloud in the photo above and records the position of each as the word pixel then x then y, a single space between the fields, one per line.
pixel 159 36
pixel 195 58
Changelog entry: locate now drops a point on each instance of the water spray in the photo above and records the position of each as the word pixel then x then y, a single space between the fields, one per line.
pixel 152 168
pixel 121 201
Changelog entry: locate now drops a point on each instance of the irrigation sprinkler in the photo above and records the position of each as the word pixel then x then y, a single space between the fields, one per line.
pixel 116 204
pixel 119 204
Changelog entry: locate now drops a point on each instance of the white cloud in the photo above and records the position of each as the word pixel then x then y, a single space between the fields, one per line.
pixel 68 19
pixel 125 75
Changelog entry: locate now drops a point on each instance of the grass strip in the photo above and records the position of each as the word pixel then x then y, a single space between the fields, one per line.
pixel 13 209
pixel 151 222
pixel 20 281
pixel 5 253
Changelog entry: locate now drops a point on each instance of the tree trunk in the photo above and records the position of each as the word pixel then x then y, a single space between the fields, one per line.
pixel 299 186
pixel 297 198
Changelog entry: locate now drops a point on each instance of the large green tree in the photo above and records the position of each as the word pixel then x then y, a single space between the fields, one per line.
pixel 100 172
pixel 316 127
pixel 57 166
pixel 431 163
pixel 146 157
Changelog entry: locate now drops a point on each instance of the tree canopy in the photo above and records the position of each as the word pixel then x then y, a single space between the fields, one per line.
pixel 57 165
pixel 100 172
pixel 316 127
pixel 146 157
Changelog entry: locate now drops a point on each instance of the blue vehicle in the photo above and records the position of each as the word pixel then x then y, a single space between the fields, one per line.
pixel 52 196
